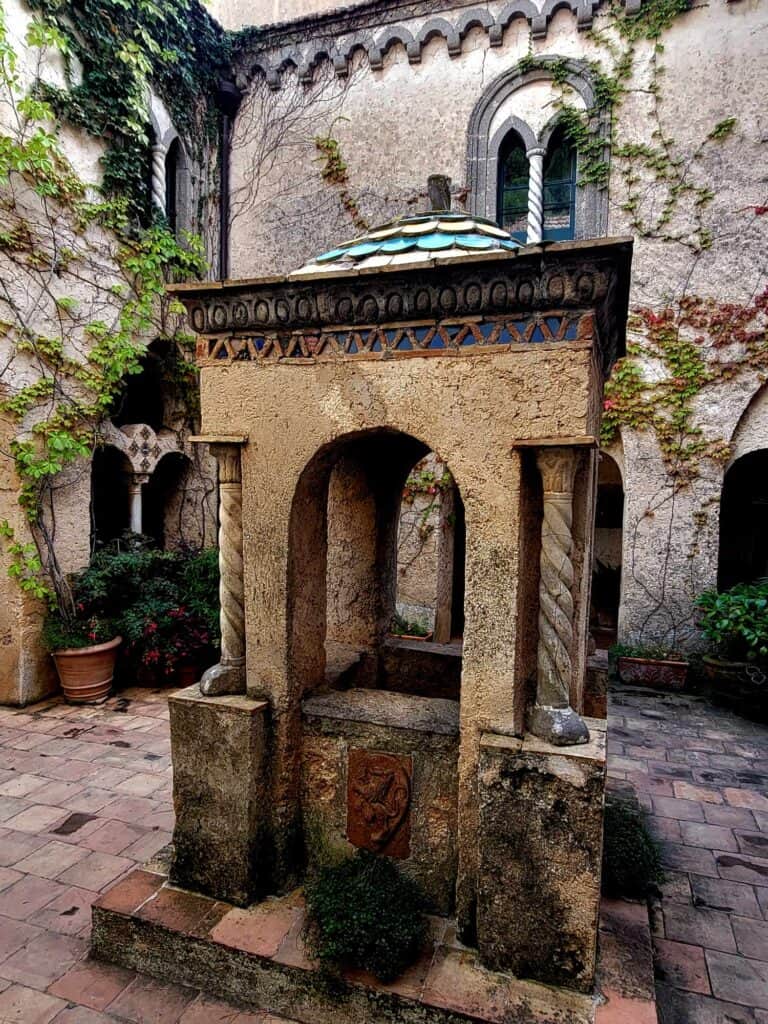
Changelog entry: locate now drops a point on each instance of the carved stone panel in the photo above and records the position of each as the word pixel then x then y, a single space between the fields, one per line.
pixel 379 802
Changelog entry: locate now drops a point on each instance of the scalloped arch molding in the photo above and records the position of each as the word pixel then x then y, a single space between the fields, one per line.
pixel 375 45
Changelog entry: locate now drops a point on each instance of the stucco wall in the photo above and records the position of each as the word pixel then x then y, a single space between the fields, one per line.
pixel 409 117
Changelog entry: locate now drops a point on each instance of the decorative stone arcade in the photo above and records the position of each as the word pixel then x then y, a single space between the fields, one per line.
pixel 320 391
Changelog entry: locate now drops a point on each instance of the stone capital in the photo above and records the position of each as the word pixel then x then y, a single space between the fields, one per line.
pixel 228 458
pixel 557 467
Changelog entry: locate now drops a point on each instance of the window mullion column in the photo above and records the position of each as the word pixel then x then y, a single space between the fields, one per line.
pixel 535 194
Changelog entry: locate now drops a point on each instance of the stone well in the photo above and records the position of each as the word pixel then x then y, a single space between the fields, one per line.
pixel 469 763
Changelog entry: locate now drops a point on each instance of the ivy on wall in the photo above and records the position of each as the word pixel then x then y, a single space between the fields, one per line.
pixel 82 282
pixel 112 49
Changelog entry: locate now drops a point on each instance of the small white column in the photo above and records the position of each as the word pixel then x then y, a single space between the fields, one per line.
pixel 135 485
pixel 535 194
pixel 159 154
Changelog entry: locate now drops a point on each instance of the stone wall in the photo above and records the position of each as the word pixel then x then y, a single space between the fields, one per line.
pixel 401 98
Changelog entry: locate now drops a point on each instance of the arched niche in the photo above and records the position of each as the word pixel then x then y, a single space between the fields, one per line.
pixel 743 549
pixel 111 473
pixel 164 511
pixel 607 560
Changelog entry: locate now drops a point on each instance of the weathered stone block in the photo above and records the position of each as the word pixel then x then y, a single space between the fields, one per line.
pixel 220 841
pixel 540 847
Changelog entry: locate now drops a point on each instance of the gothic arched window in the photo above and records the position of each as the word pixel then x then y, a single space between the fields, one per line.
pixel 559 188
pixel 513 187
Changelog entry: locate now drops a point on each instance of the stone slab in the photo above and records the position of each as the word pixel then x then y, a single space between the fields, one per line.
pixel 385 708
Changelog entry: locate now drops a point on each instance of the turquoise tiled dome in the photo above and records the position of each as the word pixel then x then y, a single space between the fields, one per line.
pixel 412 239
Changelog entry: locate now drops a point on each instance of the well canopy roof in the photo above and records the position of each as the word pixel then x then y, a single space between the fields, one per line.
pixel 413 239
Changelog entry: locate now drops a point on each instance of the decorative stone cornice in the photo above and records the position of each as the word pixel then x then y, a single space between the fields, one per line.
pixel 560 293
pixel 373 28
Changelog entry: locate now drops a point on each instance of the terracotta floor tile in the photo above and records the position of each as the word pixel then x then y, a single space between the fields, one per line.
pixel 146 1001
pixel 92 984
pixel 82 1015
pixel 14 846
pixel 178 910
pixel 96 870
pixel 22 1005
pixel 112 837
pixel 257 930
pixel 37 818
pixel 738 980
pixel 27 896
pixel 681 965
pixel 14 935
pixel 22 785
pixel 68 913
pixel 52 859
pixel 44 959
pixel 128 894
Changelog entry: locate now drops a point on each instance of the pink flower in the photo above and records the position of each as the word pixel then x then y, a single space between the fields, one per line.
pixel 609 404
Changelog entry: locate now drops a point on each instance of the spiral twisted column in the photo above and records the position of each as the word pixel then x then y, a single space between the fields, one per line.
pixel 553 718
pixel 158 176
pixel 535 194
pixel 229 675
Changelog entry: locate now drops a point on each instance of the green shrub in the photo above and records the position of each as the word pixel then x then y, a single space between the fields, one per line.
pixel 736 621
pixel 365 913
pixel 631 861
pixel 649 652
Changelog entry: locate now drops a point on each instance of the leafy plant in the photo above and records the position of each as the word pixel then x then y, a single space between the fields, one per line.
pixel 404 627
pixel 736 621
pixel 631 860
pixel 61 633
pixel 365 913
pixel 649 652
pixel 163 603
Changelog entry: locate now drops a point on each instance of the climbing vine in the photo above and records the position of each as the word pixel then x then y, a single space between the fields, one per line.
pixel 82 290
pixel 333 171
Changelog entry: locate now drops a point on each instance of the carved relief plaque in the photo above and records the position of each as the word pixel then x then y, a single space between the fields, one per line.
pixel 379 802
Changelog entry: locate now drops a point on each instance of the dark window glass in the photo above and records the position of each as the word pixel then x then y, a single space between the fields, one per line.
pixel 513 187
pixel 559 188
pixel 172 161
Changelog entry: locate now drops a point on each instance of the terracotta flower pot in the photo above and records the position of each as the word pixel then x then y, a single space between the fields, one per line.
pixel 666 675
pixel 86 672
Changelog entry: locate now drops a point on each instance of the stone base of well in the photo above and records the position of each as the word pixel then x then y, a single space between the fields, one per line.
pixel 255 958
pixel 219 749
pixel 541 840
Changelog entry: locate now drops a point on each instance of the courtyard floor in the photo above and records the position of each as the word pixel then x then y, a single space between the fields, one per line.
pixel 85 796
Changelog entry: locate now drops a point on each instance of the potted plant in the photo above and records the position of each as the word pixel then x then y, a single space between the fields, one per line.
pixel 403 629
pixel 84 648
pixel 736 624
pixel 650 665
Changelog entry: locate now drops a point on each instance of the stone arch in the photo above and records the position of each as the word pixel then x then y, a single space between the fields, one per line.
pixel 483 144
pixel 440 27
pixel 398 34
pixel 751 431
pixel 608 551
pixel 111 473
pixel 475 18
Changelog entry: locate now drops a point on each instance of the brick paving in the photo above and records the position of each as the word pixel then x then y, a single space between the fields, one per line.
pixel 85 796
pixel 702 774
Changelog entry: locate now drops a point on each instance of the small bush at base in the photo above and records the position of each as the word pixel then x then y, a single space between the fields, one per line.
pixel 365 913
pixel 631 861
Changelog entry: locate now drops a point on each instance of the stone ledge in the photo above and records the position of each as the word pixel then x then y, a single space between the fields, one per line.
pixel 384 707
pixel 234 703
pixel 255 958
